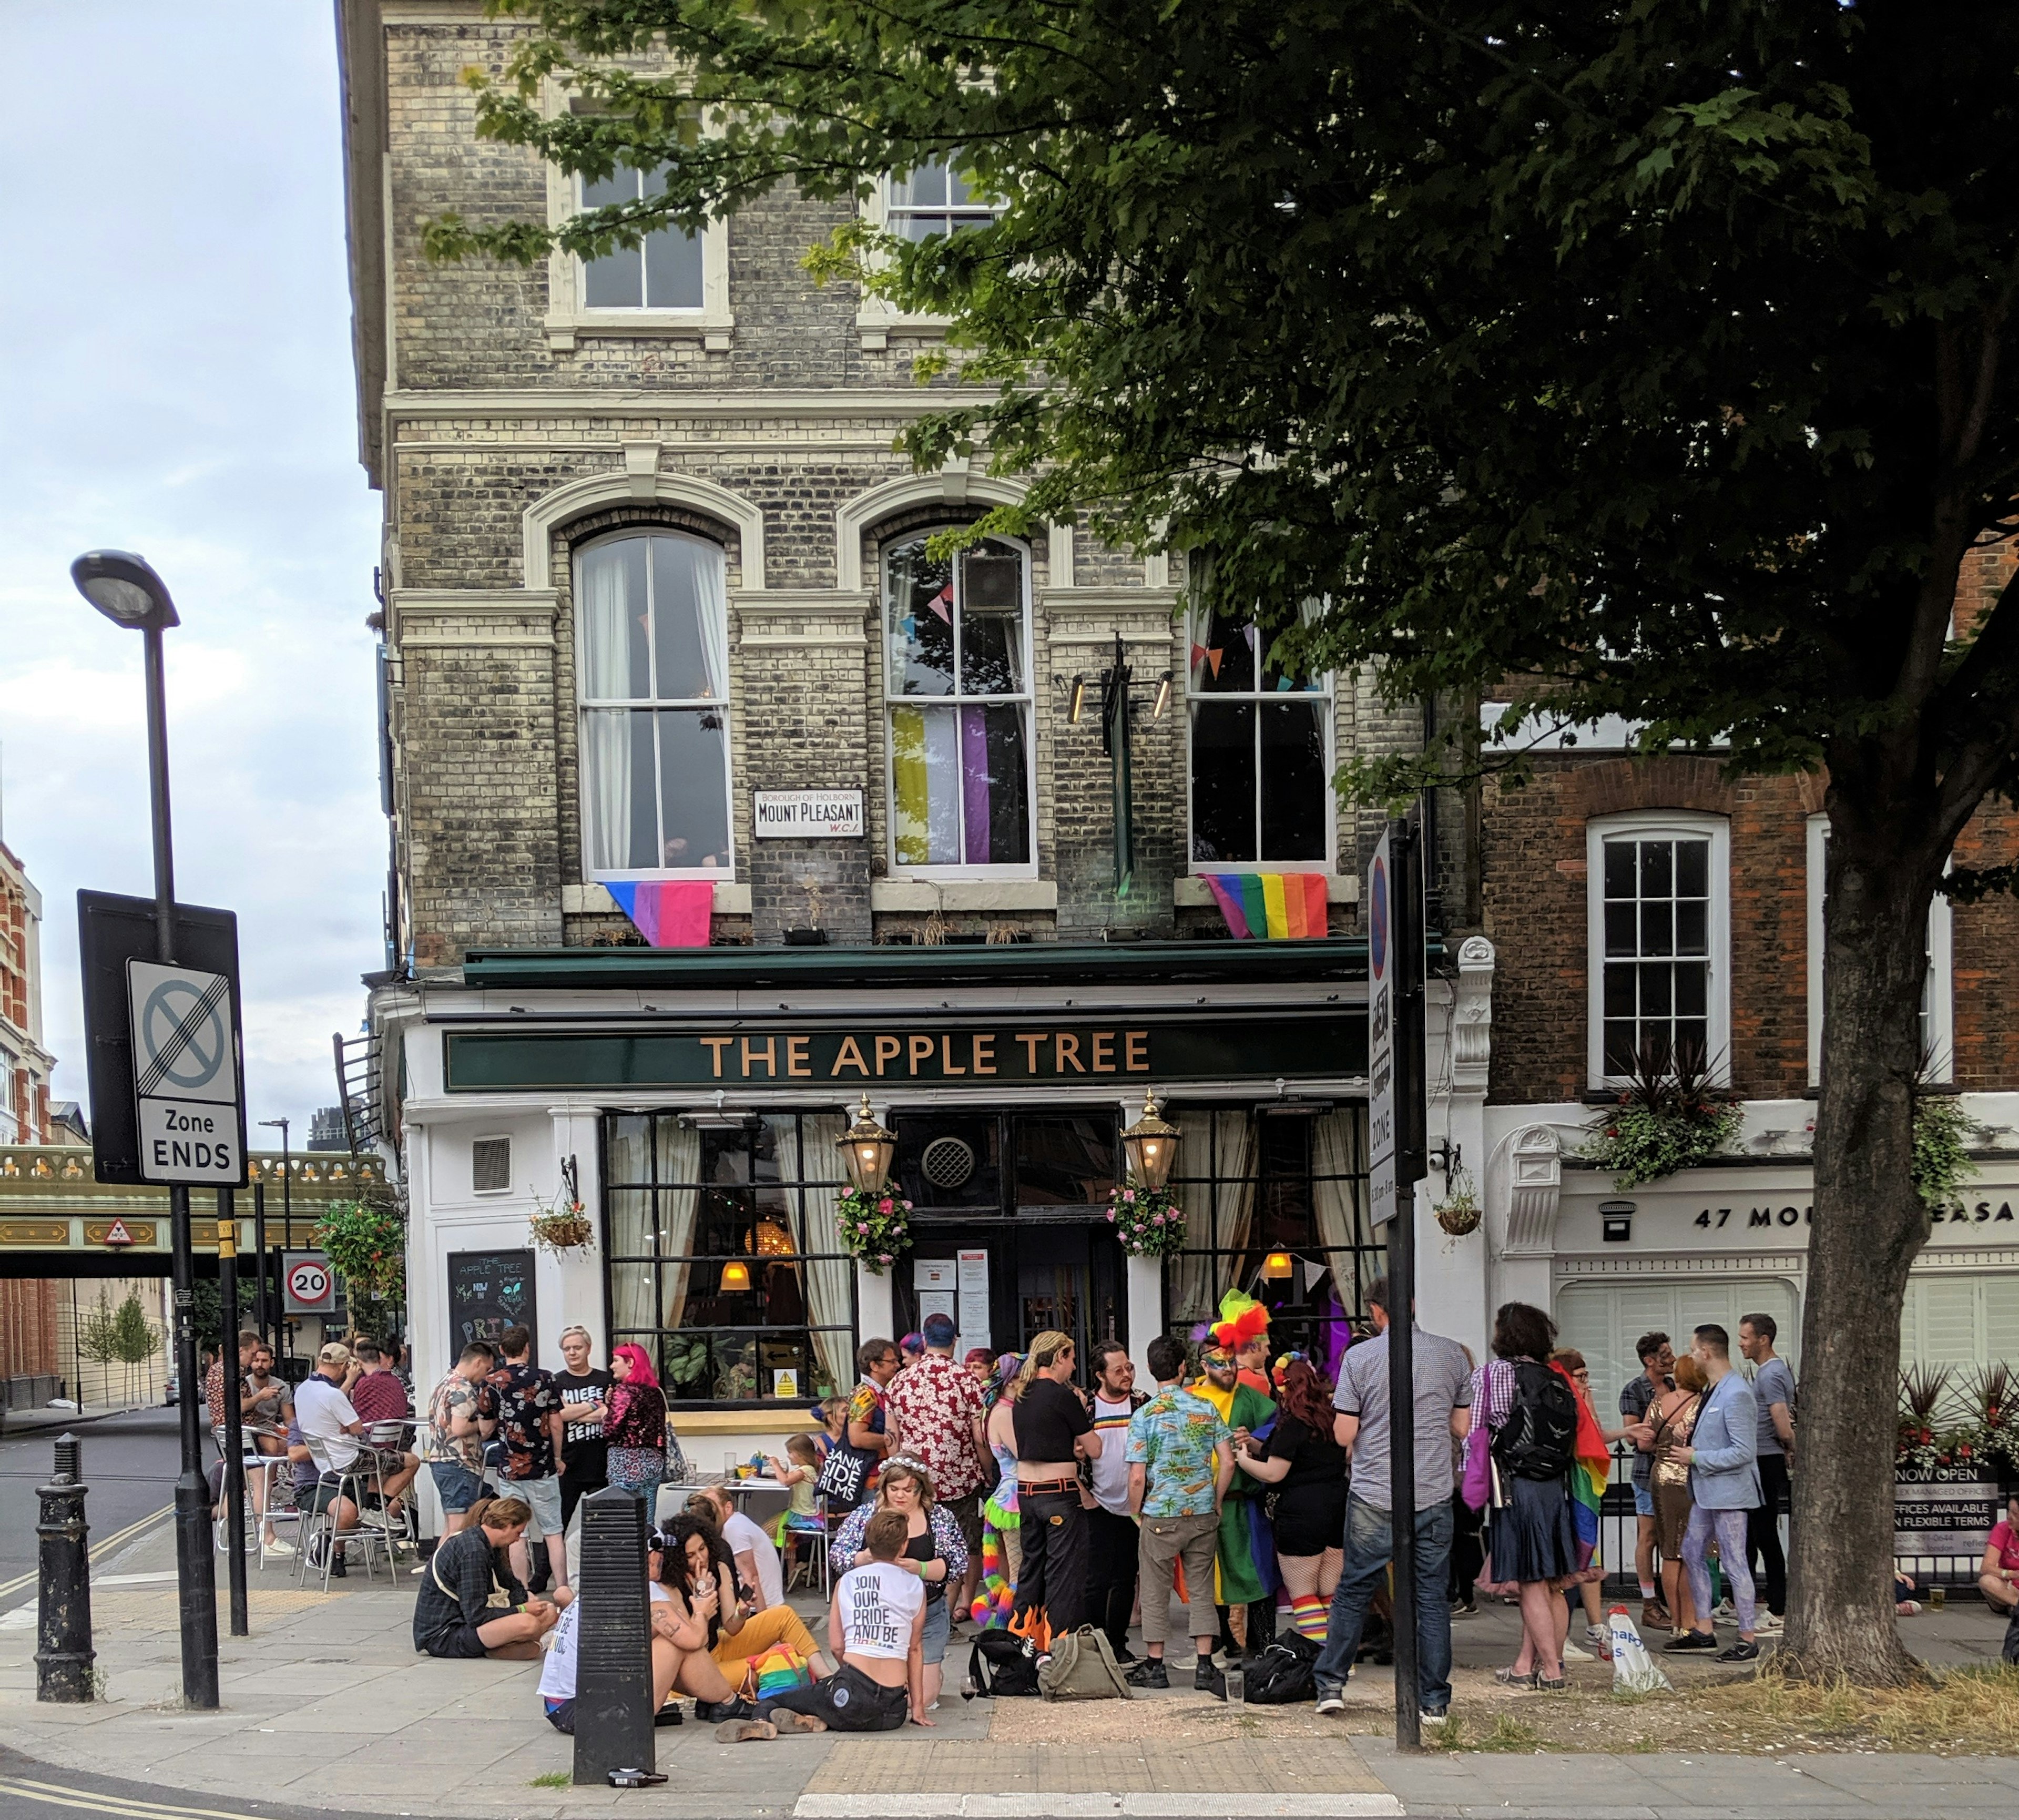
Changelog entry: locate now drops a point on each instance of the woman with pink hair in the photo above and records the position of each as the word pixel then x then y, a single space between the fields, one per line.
pixel 635 1423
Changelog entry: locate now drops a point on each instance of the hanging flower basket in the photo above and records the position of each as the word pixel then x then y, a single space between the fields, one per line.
pixel 874 1228
pixel 566 1226
pixel 1459 1213
pixel 1146 1220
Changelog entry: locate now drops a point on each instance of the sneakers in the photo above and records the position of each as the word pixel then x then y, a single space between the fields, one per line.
pixel 744 1732
pixel 669 1714
pixel 1331 1701
pixel 1727 1613
pixel 784 1723
pixel 1690 1640
pixel 337 1570
pixel 1572 1653
pixel 1152 1673
pixel 1206 1678
pixel 710 1712
pixel 1768 1622
pixel 280 1550
pixel 1469 1608
pixel 1600 1640
pixel 1739 1651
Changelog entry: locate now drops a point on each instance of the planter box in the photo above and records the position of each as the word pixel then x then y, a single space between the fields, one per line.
pixel 1944 1510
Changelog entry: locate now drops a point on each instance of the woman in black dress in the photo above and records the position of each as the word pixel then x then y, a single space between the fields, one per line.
pixel 1308 1469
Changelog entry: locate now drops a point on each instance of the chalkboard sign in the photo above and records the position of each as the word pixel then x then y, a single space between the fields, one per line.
pixel 489 1291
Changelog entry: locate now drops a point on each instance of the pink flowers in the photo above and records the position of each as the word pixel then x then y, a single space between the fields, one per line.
pixel 883 1205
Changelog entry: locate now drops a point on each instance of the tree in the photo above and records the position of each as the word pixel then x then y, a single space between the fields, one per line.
pixel 1645 359
pixel 97 1339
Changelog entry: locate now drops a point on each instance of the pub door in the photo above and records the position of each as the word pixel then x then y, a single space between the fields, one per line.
pixel 1066 1275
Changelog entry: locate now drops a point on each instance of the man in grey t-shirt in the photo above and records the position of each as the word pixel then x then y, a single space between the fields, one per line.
pixel 1774 1392
pixel 1443 1387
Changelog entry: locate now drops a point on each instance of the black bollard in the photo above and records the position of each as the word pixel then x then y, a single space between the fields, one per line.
pixel 64 1656
pixel 613 1689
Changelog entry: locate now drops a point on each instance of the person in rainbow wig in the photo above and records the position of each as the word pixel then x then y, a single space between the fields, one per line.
pixel 1245 1568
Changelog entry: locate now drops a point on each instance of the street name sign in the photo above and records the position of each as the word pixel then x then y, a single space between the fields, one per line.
pixel 186 1074
pixel 808 815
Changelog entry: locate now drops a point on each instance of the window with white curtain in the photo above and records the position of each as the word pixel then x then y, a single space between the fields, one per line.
pixel 652 624
pixel 933 199
pixel 958 677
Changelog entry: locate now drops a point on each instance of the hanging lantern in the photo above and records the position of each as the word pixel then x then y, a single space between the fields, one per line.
pixel 866 1150
pixel 1151 1146
pixel 1277 1268
pixel 735 1277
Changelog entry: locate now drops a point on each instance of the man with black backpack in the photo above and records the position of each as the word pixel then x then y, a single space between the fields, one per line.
pixel 1443 1386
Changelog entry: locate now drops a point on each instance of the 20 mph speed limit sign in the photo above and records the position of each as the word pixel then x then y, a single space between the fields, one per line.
pixel 185 1075
pixel 308 1284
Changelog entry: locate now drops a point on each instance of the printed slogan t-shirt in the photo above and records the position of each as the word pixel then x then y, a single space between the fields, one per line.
pixel 879 1604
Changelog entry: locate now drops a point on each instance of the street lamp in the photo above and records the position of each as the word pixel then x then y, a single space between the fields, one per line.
pixel 1151 1146
pixel 866 1150
pixel 287 1230
pixel 122 587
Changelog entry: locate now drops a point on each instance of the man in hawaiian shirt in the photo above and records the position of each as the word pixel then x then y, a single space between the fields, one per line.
pixel 1180 1462
pixel 529 1427
pixel 940 1413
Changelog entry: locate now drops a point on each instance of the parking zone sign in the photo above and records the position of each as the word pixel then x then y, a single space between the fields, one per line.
pixel 186 1078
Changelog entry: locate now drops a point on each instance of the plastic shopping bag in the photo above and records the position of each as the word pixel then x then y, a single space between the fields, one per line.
pixel 1633 1670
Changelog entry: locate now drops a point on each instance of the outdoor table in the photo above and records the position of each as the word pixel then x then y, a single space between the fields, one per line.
pixel 742 1490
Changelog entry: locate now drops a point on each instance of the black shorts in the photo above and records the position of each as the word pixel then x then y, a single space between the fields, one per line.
pixel 461 1644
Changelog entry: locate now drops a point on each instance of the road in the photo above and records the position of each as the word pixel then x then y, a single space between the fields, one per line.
pixel 130 1463
pixel 34 1791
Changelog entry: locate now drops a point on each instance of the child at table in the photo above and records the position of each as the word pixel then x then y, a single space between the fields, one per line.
pixel 801 1471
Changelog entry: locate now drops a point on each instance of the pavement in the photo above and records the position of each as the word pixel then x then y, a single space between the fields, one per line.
pixel 327 1711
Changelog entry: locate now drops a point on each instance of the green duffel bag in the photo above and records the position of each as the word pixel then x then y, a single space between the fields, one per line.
pixel 1081 1666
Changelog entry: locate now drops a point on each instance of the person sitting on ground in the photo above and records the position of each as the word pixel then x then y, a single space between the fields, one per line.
pixel 453 1617
pixel 680 1661
pixel 874 1624
pixel 703 1571
pixel 934 1549
pixel 1998 1574
pixel 754 1554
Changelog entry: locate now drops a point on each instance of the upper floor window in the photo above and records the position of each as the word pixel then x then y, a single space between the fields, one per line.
pixel 1937 1033
pixel 1658 887
pixel 1261 752
pixel 958 678
pixel 933 199
pixel 665 271
pixel 651 619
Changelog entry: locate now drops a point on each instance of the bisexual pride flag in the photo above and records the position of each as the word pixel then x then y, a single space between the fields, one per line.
pixel 1271 906
pixel 669 912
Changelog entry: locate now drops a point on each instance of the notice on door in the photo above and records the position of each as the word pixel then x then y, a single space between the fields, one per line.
pixel 972 1317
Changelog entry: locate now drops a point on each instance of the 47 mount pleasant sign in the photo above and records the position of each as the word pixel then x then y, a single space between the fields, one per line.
pixel 1081 1051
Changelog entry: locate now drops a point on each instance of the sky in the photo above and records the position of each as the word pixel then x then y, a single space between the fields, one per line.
pixel 175 379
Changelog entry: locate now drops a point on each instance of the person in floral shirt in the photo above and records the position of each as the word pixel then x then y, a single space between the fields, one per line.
pixel 940 1414
pixel 529 1432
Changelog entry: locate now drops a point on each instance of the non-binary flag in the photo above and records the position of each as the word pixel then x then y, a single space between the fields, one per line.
pixel 1271 906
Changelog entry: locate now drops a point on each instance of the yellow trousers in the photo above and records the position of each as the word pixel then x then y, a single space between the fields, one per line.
pixel 773 1625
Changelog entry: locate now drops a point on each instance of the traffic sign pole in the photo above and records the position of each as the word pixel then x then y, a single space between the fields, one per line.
pixel 234 1434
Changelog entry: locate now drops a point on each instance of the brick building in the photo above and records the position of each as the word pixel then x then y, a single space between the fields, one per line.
pixel 650 564
pixel 24 1063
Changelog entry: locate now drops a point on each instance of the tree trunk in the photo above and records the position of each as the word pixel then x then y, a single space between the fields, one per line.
pixel 1869 1223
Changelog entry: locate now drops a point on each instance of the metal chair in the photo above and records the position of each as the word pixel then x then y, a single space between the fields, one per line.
pixel 342 1482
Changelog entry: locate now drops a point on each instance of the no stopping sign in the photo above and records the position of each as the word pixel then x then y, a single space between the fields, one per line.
pixel 308 1284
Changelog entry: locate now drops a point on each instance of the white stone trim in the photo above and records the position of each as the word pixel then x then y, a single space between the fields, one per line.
pixel 927 895
pixel 631 484
pixel 626 403
pixel 956 484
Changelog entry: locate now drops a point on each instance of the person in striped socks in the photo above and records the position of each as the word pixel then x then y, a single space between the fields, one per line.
pixel 1307 1465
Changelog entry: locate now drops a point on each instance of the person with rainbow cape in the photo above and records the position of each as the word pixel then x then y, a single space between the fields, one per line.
pixel 1245 1568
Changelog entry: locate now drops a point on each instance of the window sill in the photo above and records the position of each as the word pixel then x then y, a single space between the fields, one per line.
pixel 592 900
pixel 926 895
pixel 876 331
pixel 717 334
pixel 1194 893
pixel 771 1417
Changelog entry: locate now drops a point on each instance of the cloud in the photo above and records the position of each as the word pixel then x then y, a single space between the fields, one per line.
pixel 179 381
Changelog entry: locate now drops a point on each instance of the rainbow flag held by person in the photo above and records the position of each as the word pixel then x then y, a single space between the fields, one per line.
pixel 667 912
pixel 1589 1472
pixel 1271 906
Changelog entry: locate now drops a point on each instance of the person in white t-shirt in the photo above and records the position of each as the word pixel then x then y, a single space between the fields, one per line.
pixel 680 1660
pixel 755 1554
pixel 874 1626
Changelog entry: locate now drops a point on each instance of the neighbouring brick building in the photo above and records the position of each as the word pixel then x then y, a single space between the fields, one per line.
pixel 24 1063
pixel 649 557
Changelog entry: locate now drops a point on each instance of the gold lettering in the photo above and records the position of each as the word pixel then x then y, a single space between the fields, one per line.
pixel 797 1061
pixel 946 1056
pixel 849 1057
pixel 1030 1040
pixel 1103 1052
pixel 769 1057
pixel 921 1050
pixel 984 1053
pixel 716 1046
pixel 1135 1052
pixel 888 1049
pixel 1065 1052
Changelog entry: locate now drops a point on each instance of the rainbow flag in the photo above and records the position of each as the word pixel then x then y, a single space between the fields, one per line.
pixel 1588 1474
pixel 1271 906
pixel 669 912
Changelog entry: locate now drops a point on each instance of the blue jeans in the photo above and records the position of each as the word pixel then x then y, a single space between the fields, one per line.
pixel 1370 1545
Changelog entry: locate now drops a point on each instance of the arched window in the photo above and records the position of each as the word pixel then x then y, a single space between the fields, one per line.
pixel 652 624
pixel 958 678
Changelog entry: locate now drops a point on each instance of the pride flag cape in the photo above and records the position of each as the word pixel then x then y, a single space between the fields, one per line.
pixel 1271 906
pixel 1588 1474
pixel 669 912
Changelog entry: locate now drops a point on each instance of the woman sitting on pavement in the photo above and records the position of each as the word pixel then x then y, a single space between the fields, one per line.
pixel 934 1549
pixel 1998 1573
pixel 680 1661
pixel 454 1615
pixel 873 1625
pixel 701 1570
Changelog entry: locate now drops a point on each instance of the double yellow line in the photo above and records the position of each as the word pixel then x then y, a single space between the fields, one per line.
pixel 56 1795
pixel 100 1544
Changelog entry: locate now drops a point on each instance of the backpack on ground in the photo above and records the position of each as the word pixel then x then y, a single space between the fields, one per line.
pixel 1284 1672
pixel 999 1664
pixel 1539 1439
pixel 1081 1666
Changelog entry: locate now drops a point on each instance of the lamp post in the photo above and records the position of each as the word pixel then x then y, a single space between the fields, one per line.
pixel 1151 1146
pixel 287 1223
pixel 122 587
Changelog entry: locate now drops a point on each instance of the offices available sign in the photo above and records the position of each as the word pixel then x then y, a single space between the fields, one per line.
pixel 1940 1511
